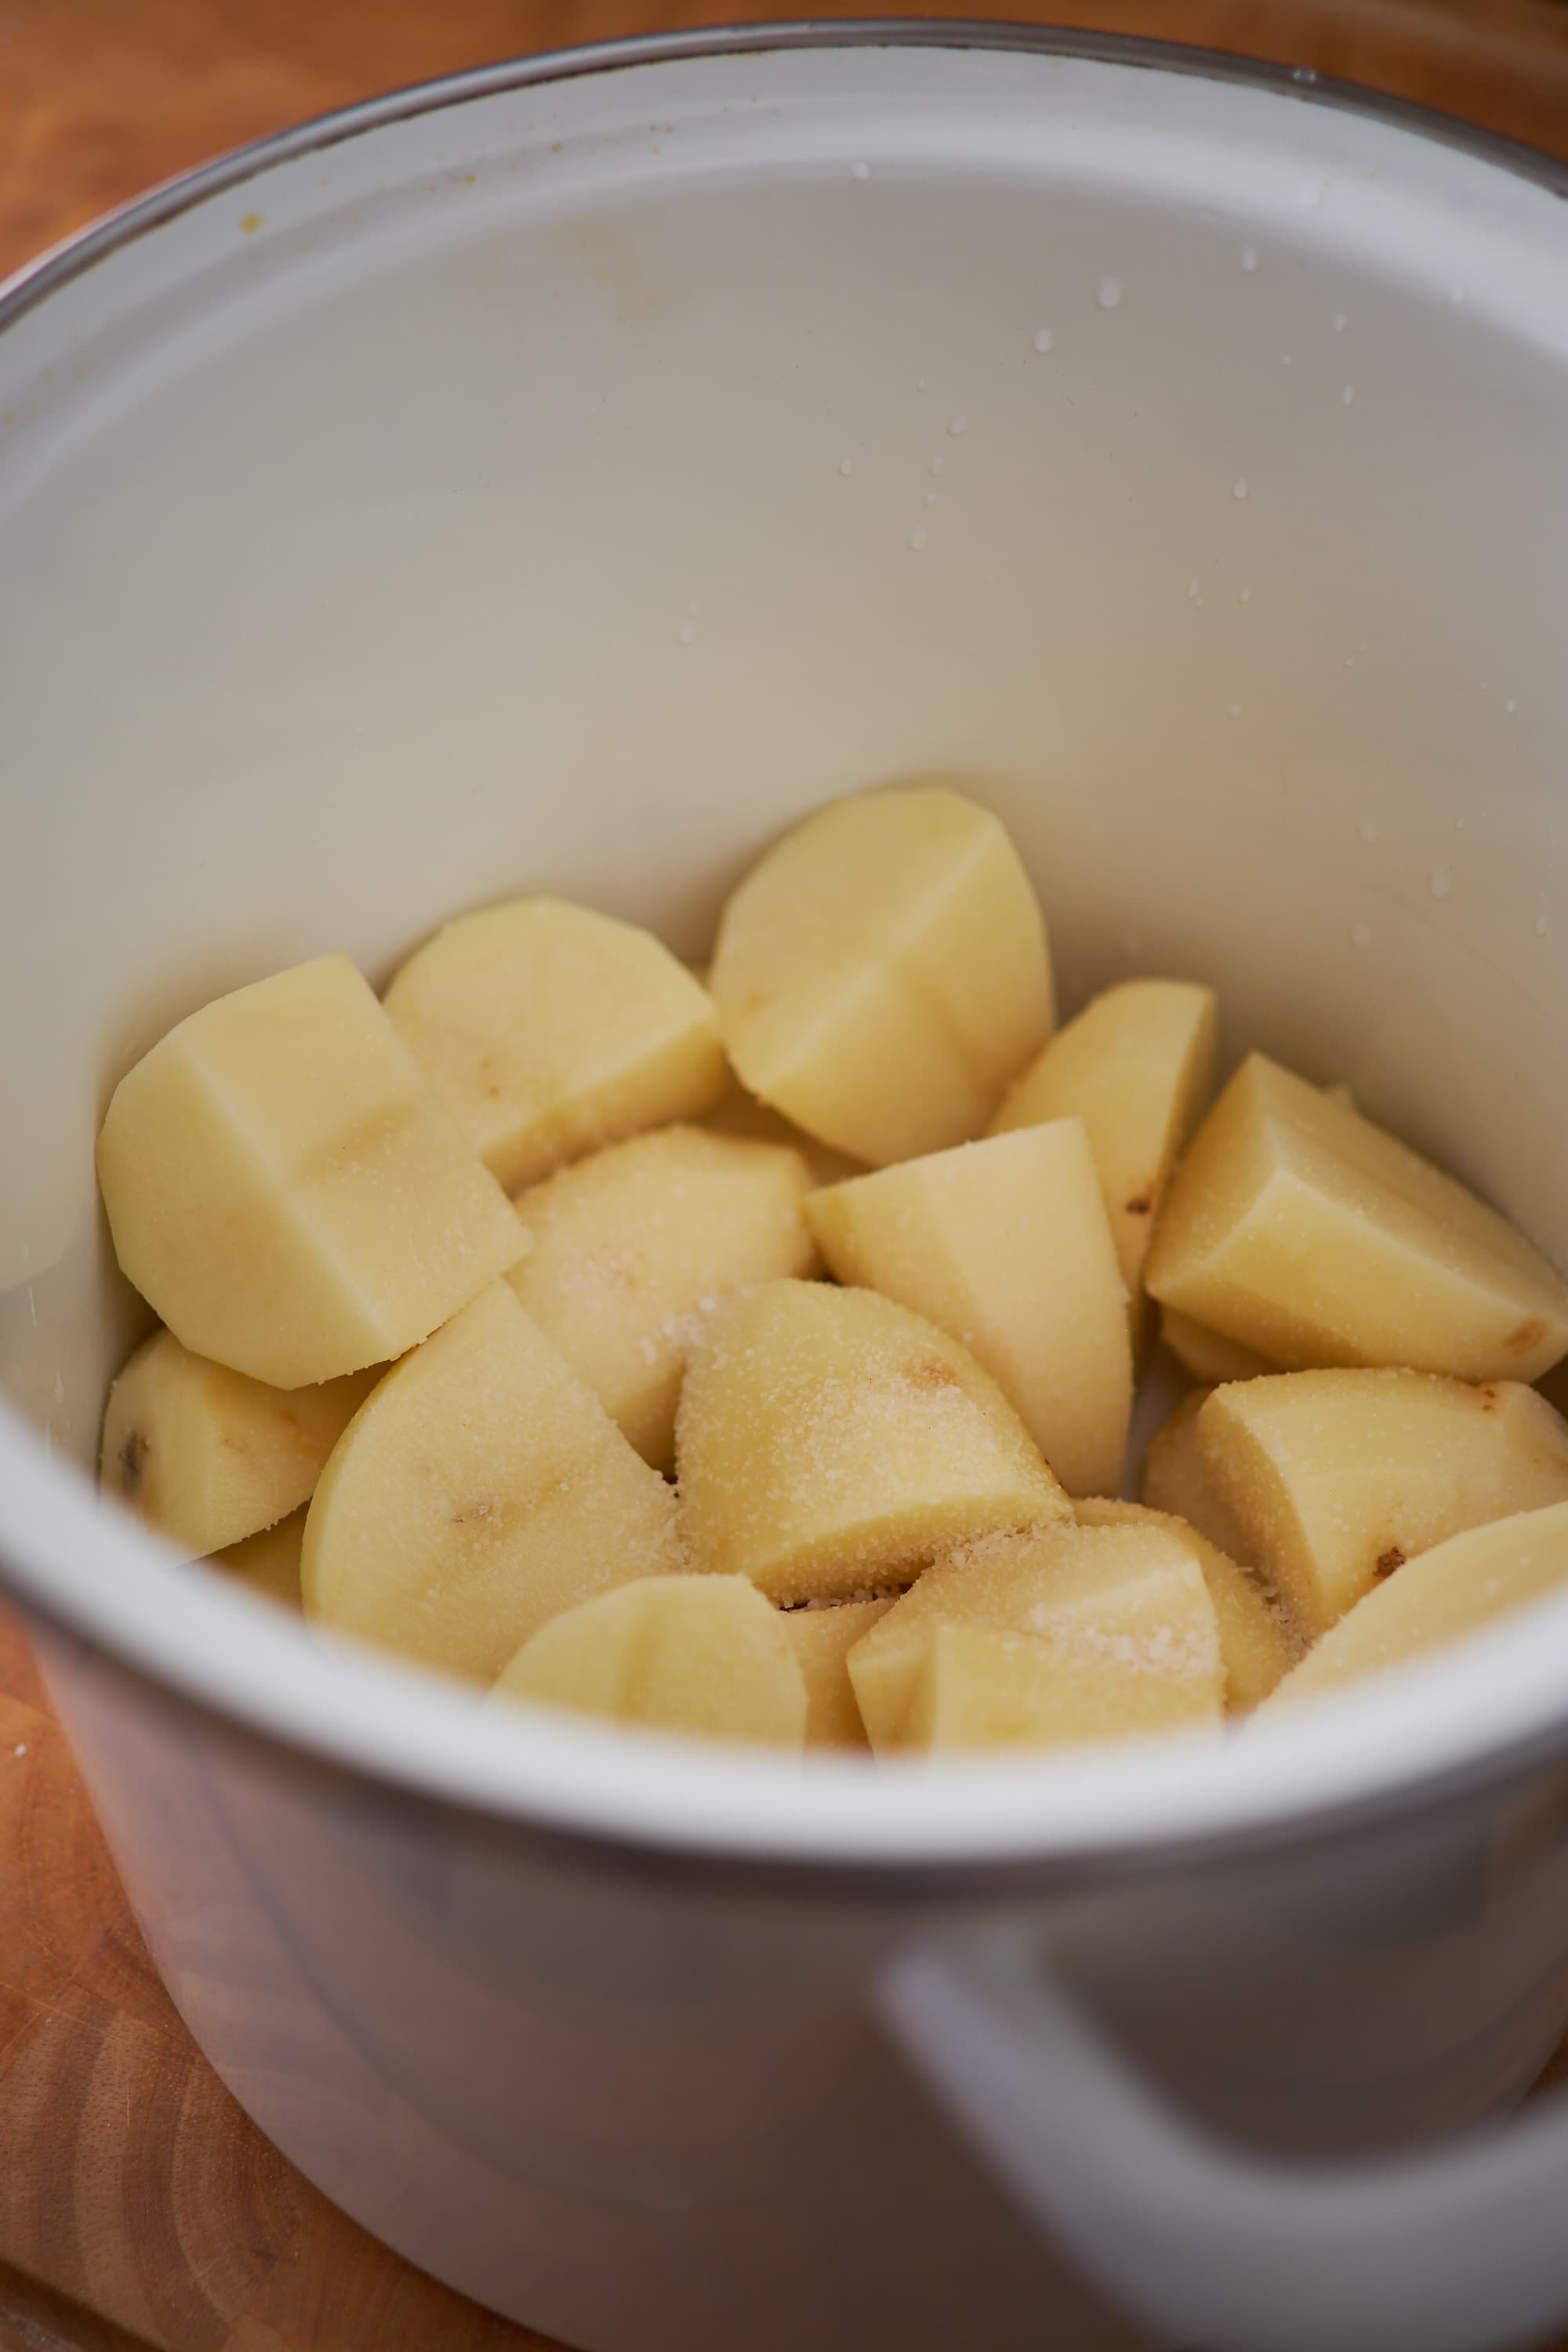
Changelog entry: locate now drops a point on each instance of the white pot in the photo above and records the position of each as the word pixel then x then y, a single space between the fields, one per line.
pixel 563 478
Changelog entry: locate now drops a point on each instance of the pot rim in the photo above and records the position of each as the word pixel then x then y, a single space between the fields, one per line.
pixel 1479 1715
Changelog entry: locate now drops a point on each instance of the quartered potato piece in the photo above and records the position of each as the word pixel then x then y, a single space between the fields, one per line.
pixel 822 1639
pixel 267 1564
pixel 1455 1589
pixel 1257 1643
pixel 701 1655
pixel 1208 1355
pixel 550 1029
pixel 882 973
pixel 481 1490
pixel 828 1440
pixel 1176 1482
pixel 209 1456
pixel 1066 1634
pixel 1137 1066
pixel 285 1189
pixel 632 1246
pixel 1337 1479
pixel 1004 1245
pixel 1297 1227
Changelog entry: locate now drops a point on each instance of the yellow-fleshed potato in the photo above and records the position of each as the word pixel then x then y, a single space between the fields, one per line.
pixel 632 1246
pixel 1006 1245
pixel 1337 1479
pixel 1176 1482
pixel 1453 1590
pixel 267 1564
pixel 209 1456
pixel 1137 1066
pixel 701 1655
pixel 829 1441
pixel 1208 1355
pixel 480 1490
pixel 1297 1227
pixel 1258 1645
pixel 285 1189
pixel 550 1030
pixel 822 1639
pixel 882 973
pixel 1068 1633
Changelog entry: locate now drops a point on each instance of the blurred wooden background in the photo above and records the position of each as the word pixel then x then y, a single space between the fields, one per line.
pixel 137 2206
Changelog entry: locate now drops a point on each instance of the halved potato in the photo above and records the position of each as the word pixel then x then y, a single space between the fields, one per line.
pixel 1176 1481
pixel 285 1189
pixel 1258 1645
pixel 550 1030
pixel 882 973
pixel 1297 1227
pixel 1065 1634
pixel 1137 1066
pixel 822 1639
pixel 1337 1479
pixel 209 1457
pixel 481 1491
pixel 1004 1243
pixel 706 1656
pixel 828 1440
pixel 1455 1589
pixel 633 1247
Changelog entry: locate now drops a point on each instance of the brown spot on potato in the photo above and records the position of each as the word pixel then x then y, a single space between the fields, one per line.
pixel 1142 1204
pixel 133 1457
pixel 930 1373
pixel 1387 1561
pixel 1487 1399
pixel 1529 1335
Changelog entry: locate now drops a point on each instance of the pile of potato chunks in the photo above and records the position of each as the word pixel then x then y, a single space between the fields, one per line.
pixel 755 1358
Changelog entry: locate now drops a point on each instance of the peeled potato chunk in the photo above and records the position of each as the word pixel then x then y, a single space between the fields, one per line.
pixel 1337 1479
pixel 822 1639
pixel 550 1029
pixel 1176 1482
pixel 1453 1590
pixel 1300 1229
pixel 703 1655
pixel 882 973
pixel 209 1456
pixel 481 1490
pixel 1137 1066
pixel 632 1246
pixel 285 1189
pixel 267 1564
pixel 1004 1245
pixel 1209 1355
pixel 1068 1633
pixel 1257 1644
pixel 828 1440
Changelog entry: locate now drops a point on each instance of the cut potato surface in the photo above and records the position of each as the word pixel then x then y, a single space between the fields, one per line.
pixel 1137 1066
pixel 1337 1479
pixel 267 1564
pixel 1208 1355
pixel 1004 1245
pixel 481 1490
pixel 822 1639
pixel 701 1655
pixel 828 1440
pixel 1176 1481
pixel 1455 1589
pixel 550 1029
pixel 209 1456
pixel 882 973
pixel 632 1246
pixel 1258 1645
pixel 1297 1227
pixel 741 1114
pixel 285 1189
pixel 1070 1633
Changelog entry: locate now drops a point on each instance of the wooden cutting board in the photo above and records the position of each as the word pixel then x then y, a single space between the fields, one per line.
pixel 138 2206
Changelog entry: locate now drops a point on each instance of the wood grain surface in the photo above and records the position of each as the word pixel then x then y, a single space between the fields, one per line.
pixel 137 2205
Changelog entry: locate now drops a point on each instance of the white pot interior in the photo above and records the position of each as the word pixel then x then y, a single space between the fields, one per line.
pixel 568 488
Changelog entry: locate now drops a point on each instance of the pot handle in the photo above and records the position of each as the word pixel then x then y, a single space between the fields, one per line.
pixel 1454 2248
